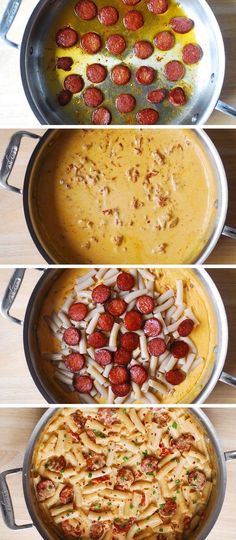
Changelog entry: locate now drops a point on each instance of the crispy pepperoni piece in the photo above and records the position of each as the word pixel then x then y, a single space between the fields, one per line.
pixel 122 357
pixel 185 327
pixel 101 294
pixel 125 281
pixel 164 451
pixel 78 311
pixel 108 15
pixel 66 37
pixel 177 97
pixel 120 74
pixel 187 522
pixel 71 336
pixel 100 479
pixel 133 321
pixel 149 464
pixel 97 530
pixel 65 63
pixel 174 70
pixel 168 509
pixel 83 384
pixel 56 464
pixel 161 417
pixel 156 346
pixel 66 495
pixel 105 322
pixel 116 44
pixel 64 97
pixel 164 40
pixel 129 341
pixel 118 375
pixel 103 357
pixel 138 374
pixel 93 97
pixel 86 10
pixel 91 42
pixel 123 526
pixel 192 53
pixel 96 73
pixel 70 530
pixel 156 96
pixel 147 116
pixel 145 75
pixel 75 362
pixel 181 25
pixel 78 419
pixel 133 20
pixel 184 442
pixel 107 416
pixel 121 390
pixel 145 304
pixel 125 103
pixel 143 49
pixel 158 6
pixel 97 340
pixel 179 349
pixel 74 83
pixel 45 489
pixel 131 2
pixel 117 307
pixel 125 478
pixel 175 376
pixel 152 327
pixel 96 462
pixel 197 479
pixel 101 117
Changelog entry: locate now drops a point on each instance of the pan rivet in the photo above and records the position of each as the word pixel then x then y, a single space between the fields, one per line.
pixel 31 50
pixel 195 118
pixel 212 77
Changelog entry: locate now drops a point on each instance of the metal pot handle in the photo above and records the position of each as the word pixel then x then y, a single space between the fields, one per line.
pixel 7 20
pixel 10 158
pixel 228 379
pixel 11 293
pixel 230 232
pixel 230 455
pixel 225 108
pixel 6 502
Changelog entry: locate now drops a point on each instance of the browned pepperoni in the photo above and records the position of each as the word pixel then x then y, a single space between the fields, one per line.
pixel 96 73
pixel 121 390
pixel 175 376
pixel 147 116
pixel 71 336
pixel 143 49
pixel 169 508
pixel 101 117
pixel 122 357
pixel 96 462
pixel 120 74
pixel 133 20
pixel 161 417
pixel 93 97
pixel 118 375
pixel 105 322
pixel 129 341
pixel 131 2
pixel 138 374
pixel 192 53
pixel 86 10
pixel 149 464
pixel 66 37
pixel 66 495
pixel 91 42
pixel 152 327
pixel 83 384
pixel 181 25
pixel 56 464
pixel 70 530
pixel 101 294
pixel 177 96
pixel 133 321
pixel 156 96
pixel 78 419
pixel 75 362
pixel 97 340
pixel 78 311
pixel 185 327
pixel 117 307
pixel 158 6
pixel 197 479
pixel 164 40
pixel 179 349
pixel 115 44
pixel 64 97
pixel 184 442
pixel 108 416
pixel 145 75
pixel 74 83
pixel 125 103
pixel 65 63
pixel 125 281
pixel 103 357
pixel 145 304
pixel 97 530
pixel 123 525
pixel 156 346
pixel 108 15
pixel 174 70
pixel 125 478
pixel 45 489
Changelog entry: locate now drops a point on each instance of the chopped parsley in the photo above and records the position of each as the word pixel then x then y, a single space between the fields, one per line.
pixel 174 425
pixel 90 475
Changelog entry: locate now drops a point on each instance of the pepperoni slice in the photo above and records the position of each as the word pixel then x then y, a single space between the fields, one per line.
pixel 91 42
pixel 75 362
pixel 133 20
pixel 101 117
pixel 64 97
pixel 65 63
pixel 152 327
pixel 197 479
pixel 108 15
pixel 174 70
pixel 121 390
pixel 122 357
pixel 120 74
pixel 83 384
pixel 125 478
pixel 177 97
pixel 70 530
pixel 145 304
pixel 74 83
pixel 86 10
pixel 103 357
pixel 66 495
pixel 185 327
pixel 156 346
pixel 105 322
pixel 129 341
pixel 125 281
pixel 131 2
pixel 123 525
pixel 145 75
pixel 96 73
pixel 107 416
pixel 164 41
pixel 168 509
pixel 116 44
pixel 101 294
pixel 45 489
pixel 78 311
pixel 56 464
pixel 133 321
pixel 97 530
pixel 93 97
pixel 149 464
pixel 97 340
pixel 118 375
pixel 138 374
pixel 66 37
pixel 147 116
pixel 156 96
pixel 184 442
pixel 78 419
pixel 175 376
pixel 158 6
pixel 117 307
pixel 179 349
pixel 181 25
pixel 71 336
pixel 125 103
pixel 192 53
pixel 161 418
pixel 96 462
pixel 143 49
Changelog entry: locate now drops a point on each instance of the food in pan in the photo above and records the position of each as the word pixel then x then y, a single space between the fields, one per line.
pixel 123 473
pixel 119 336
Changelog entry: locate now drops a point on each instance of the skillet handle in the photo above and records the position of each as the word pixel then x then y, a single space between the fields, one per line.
pixel 225 108
pixel 228 379
pixel 230 455
pixel 11 293
pixel 7 20
pixel 230 232
pixel 10 158
pixel 6 502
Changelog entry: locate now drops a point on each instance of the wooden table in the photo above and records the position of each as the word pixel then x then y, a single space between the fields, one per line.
pixel 16 426
pixel 14 107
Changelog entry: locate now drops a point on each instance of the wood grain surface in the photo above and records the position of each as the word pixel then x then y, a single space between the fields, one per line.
pixel 16 426
pixel 14 108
